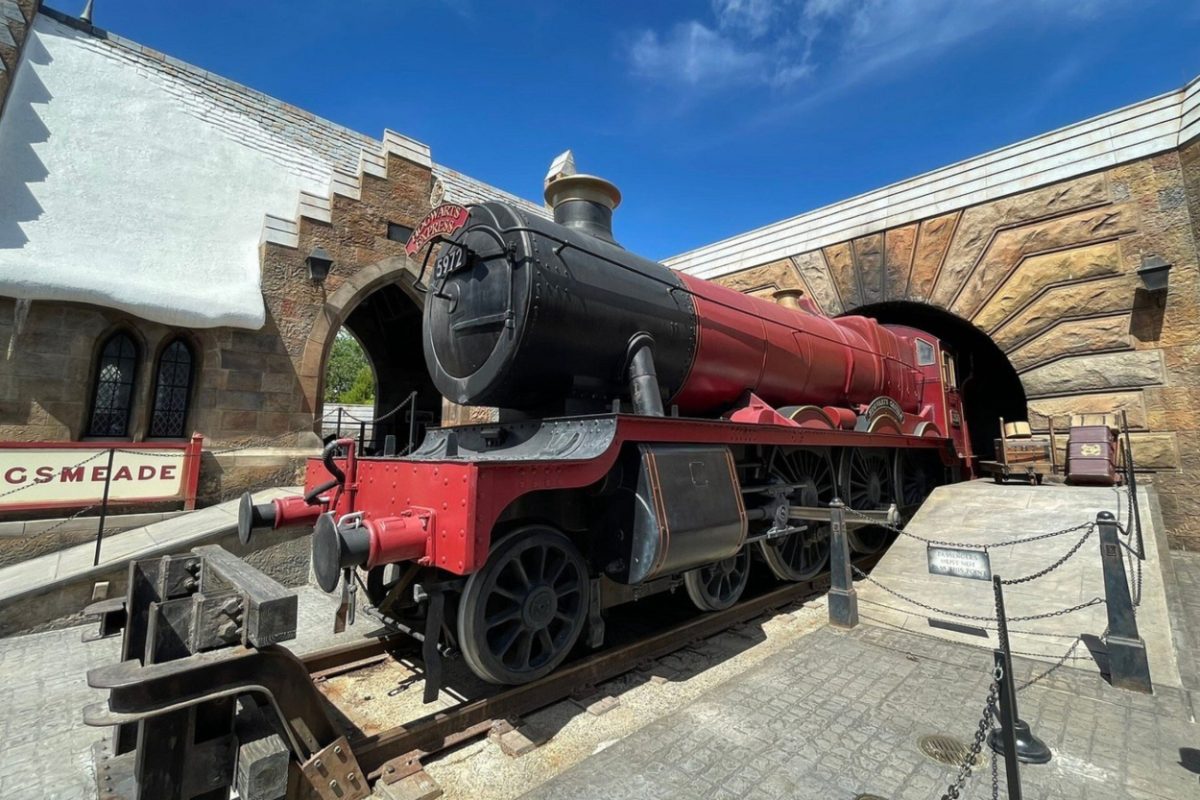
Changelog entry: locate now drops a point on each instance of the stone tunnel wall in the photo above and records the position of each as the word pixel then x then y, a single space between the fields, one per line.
pixel 1049 275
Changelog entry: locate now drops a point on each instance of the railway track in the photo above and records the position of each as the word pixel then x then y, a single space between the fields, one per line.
pixel 174 695
pixel 397 752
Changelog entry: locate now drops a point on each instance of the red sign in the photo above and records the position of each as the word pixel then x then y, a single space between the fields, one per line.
pixel 37 475
pixel 442 221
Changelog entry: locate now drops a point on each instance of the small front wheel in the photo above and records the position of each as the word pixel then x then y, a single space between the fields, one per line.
pixel 717 586
pixel 521 614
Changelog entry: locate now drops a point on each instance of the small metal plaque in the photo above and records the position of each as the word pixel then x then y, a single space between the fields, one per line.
pixel 959 562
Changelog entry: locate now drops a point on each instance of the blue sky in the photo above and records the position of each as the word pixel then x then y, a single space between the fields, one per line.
pixel 713 116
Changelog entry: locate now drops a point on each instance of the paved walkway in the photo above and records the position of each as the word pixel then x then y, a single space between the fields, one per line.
pixel 979 512
pixel 837 715
pixel 45 749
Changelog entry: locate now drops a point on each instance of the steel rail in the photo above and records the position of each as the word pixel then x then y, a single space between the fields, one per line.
pixel 406 744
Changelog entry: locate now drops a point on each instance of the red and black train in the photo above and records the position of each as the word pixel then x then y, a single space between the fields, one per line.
pixel 654 429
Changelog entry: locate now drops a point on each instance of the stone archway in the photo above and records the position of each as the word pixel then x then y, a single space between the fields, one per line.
pixel 381 307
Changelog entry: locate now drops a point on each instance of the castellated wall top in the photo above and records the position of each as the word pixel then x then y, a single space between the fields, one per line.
pixel 131 180
pixel 1152 126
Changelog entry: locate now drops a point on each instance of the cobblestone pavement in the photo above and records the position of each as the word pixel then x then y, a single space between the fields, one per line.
pixel 44 745
pixel 839 713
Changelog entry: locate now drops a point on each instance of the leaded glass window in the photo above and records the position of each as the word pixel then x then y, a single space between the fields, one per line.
pixel 113 398
pixel 172 387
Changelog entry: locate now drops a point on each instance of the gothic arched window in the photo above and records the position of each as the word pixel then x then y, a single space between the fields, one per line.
pixel 112 399
pixel 172 388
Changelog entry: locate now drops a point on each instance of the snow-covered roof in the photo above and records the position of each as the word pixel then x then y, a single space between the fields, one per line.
pixel 132 180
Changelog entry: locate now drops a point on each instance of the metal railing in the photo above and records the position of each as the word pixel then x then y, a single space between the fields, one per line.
pixel 338 420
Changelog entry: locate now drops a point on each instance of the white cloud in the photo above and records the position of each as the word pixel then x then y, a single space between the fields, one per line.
pixel 752 17
pixel 693 54
pixel 779 43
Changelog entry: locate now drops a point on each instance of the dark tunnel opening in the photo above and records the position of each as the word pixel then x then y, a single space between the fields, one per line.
pixel 387 323
pixel 990 386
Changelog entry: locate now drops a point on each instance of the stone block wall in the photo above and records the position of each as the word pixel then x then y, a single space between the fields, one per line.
pixel 16 17
pixel 1050 276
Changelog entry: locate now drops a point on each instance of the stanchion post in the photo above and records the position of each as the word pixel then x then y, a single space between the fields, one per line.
pixel 1007 732
pixel 1127 664
pixel 843 599
pixel 339 422
pixel 104 505
pixel 1014 739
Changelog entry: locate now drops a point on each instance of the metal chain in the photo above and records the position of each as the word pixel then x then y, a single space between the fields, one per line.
pixel 1091 526
pixel 941 543
pixel 995 778
pixel 1139 557
pixel 65 520
pixel 1053 667
pixel 249 445
pixel 969 760
pixel 978 618
pixel 30 485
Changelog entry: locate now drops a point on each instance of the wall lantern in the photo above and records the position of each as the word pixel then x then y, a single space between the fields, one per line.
pixel 319 263
pixel 1154 273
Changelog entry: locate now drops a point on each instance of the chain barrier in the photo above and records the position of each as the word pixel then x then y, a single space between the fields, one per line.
pixel 1062 660
pixel 995 778
pixel 975 617
pixel 72 468
pixel 374 420
pixel 1138 556
pixel 941 543
pixel 1090 528
pixel 147 453
pixel 1133 559
pixel 65 520
pixel 969 761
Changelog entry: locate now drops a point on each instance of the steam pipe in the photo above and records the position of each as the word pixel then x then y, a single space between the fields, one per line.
pixel 643 379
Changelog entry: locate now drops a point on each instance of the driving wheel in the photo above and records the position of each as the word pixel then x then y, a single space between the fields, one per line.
pixel 868 484
pixel 801 556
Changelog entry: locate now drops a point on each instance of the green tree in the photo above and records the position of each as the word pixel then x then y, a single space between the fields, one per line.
pixel 346 367
pixel 362 391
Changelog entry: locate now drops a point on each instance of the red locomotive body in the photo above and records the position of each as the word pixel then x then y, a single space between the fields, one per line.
pixel 655 429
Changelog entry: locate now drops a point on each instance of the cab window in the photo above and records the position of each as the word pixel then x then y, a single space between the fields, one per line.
pixel 924 353
pixel 948 376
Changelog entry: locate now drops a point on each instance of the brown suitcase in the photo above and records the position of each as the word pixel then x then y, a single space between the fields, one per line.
pixel 1092 456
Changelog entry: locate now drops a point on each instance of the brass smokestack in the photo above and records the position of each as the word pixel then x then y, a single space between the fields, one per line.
pixel 788 298
pixel 583 202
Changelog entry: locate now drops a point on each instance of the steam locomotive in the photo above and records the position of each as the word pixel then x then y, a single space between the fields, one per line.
pixel 655 430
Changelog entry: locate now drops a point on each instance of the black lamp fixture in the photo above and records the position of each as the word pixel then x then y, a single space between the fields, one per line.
pixel 319 263
pixel 1154 273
